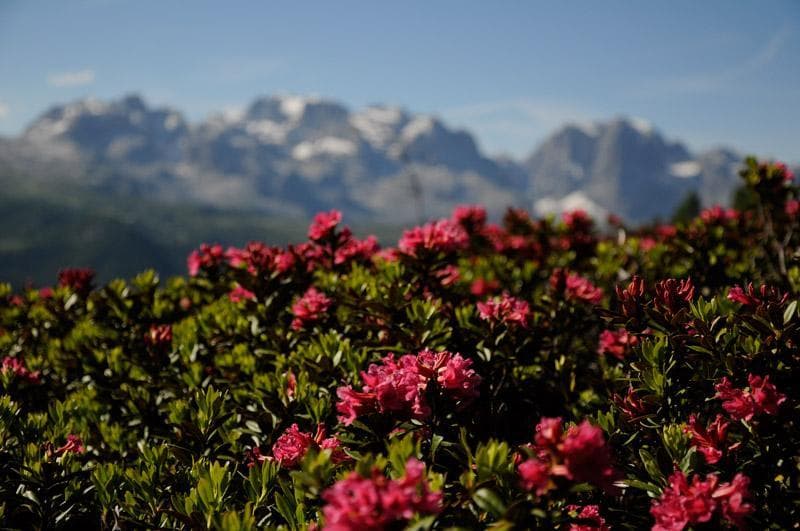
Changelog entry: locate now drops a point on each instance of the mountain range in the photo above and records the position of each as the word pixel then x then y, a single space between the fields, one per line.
pixel 290 156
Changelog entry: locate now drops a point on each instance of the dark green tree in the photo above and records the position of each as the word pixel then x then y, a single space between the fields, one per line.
pixel 688 209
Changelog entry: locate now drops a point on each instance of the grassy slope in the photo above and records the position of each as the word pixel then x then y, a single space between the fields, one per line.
pixel 119 237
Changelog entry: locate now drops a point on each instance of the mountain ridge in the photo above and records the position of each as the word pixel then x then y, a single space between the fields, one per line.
pixel 292 155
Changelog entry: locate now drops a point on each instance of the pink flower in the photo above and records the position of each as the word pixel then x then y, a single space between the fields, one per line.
pixel 788 175
pixel 324 224
pixel 732 497
pixel 754 298
pixel 506 309
pixel 666 232
pixel 481 287
pixel 710 441
pixel 631 406
pixel 616 343
pixel 438 236
pixel 335 446
pixel 159 336
pixel 448 275
pixel 398 386
pixel 736 402
pixel 717 215
pixel 581 289
pixel 673 295
pixel 46 292
pixel 78 280
pixel 204 258
pixel 291 384
pixel 356 250
pixel 577 220
pixel 792 208
pixel 471 217
pixel 309 308
pixel 353 404
pixel 458 379
pixel 254 456
pixel 256 257
pixel 548 432
pixel 534 475
pixel 17 367
pixel 762 398
pixel 683 503
pixel 581 454
pixel 586 455
pixel 239 294
pixel 631 299
pixel 377 503
pixel 765 395
pixel 290 448
pixel 589 519
pixel 74 445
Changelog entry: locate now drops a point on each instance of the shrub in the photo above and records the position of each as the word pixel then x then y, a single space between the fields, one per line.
pixel 534 374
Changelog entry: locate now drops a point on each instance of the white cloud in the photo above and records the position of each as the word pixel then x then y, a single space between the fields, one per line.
pixel 75 78
pixel 3 110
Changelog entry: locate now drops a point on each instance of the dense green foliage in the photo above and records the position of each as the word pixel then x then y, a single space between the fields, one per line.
pixel 167 404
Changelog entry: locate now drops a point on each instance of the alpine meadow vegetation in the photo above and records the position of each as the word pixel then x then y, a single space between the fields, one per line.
pixel 533 374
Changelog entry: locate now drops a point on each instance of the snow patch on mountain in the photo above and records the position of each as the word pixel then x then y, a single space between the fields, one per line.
pixel 335 147
pixel 686 169
pixel 569 203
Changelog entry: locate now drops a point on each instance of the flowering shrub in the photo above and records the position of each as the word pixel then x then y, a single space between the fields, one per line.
pixel 534 373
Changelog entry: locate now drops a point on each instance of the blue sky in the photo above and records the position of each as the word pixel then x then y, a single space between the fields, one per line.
pixel 710 73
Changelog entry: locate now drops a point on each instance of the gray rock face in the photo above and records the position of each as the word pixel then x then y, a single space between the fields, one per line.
pixel 624 166
pixel 296 155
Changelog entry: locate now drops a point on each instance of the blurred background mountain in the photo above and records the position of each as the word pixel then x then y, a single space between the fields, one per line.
pixel 121 185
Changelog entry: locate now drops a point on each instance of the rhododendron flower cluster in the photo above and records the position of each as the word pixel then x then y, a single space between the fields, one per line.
pixel 575 287
pixel 204 258
pixel 631 298
pixel 74 445
pixel 616 343
pixel 448 275
pixel 324 224
pixel 78 280
pixel 505 309
pixel 159 336
pixel 376 503
pixel 471 217
pixel 290 448
pixel 631 405
pixel 673 295
pixel 352 249
pixel 699 501
pixel 710 441
pixel 481 287
pixel 438 236
pixel 239 294
pixel 309 308
pixel 761 398
pixel 16 366
pixel 718 215
pixel 398 386
pixel 756 298
pixel 581 455
pixel 587 518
